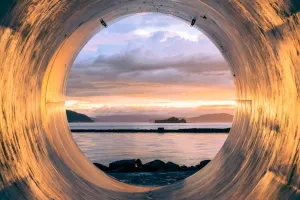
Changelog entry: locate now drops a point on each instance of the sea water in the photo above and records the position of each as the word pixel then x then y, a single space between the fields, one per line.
pixel 181 148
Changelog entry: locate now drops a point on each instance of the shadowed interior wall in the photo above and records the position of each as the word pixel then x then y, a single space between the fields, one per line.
pixel 39 40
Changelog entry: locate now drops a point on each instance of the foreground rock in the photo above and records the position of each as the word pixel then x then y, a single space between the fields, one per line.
pixel 154 165
pixel 125 166
pixel 170 166
pixel 101 167
pixel 202 164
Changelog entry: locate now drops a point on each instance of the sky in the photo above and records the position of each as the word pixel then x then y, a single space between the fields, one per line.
pixel 150 64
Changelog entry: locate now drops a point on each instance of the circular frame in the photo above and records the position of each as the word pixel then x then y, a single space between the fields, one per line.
pixel 39 42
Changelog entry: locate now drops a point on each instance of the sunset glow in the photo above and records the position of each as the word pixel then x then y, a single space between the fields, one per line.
pixel 150 64
pixel 173 104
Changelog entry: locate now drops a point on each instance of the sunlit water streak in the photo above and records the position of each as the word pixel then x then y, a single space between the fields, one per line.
pixel 138 125
pixel 181 148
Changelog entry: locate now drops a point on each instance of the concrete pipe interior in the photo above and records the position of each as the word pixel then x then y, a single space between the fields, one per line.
pixel 39 40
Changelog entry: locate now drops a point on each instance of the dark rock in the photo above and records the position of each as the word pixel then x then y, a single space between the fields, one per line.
pixel 140 169
pixel 154 165
pixel 101 167
pixel 138 163
pixel 123 170
pixel 192 168
pixel 183 167
pixel 203 164
pixel 170 166
pixel 126 164
pixel 128 170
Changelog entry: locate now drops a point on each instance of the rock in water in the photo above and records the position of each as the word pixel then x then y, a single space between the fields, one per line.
pixel 183 167
pixel 170 166
pixel 192 168
pixel 154 165
pixel 203 164
pixel 101 167
pixel 126 164
pixel 138 163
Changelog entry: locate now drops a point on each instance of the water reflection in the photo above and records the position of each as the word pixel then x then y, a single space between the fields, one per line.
pixel 181 148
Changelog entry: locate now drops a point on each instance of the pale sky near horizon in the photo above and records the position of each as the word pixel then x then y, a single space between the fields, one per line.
pixel 150 64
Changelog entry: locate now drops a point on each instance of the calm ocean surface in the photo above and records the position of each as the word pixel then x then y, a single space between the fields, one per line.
pixel 181 148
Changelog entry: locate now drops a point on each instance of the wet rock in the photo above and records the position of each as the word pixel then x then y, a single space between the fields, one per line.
pixel 119 170
pixel 138 163
pixel 154 165
pixel 192 168
pixel 126 164
pixel 101 167
pixel 123 170
pixel 140 169
pixel 183 167
pixel 203 164
pixel 170 166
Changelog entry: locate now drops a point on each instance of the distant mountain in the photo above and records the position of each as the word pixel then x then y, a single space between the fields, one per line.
pixel 171 120
pixel 218 117
pixel 77 117
pixel 127 118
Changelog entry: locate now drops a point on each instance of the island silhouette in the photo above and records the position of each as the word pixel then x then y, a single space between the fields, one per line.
pixel 171 120
pixel 206 118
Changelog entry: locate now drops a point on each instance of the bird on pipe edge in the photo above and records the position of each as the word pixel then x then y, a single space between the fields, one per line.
pixel 193 21
pixel 103 23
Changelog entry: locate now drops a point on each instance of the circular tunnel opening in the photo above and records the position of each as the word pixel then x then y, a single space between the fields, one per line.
pixel 39 41
pixel 153 99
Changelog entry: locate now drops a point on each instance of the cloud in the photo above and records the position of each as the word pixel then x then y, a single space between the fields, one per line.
pixel 144 59
pixel 141 67
pixel 133 78
pixel 153 110
pixel 138 27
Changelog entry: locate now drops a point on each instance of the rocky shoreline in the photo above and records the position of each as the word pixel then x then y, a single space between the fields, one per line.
pixel 154 173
